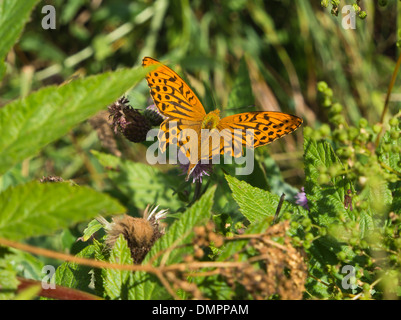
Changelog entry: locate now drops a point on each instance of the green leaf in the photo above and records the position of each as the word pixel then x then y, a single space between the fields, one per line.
pixel 13 16
pixel 102 253
pixel 326 201
pixel 116 282
pixel 92 227
pixel 391 159
pixel 28 265
pixel 8 274
pixel 257 204
pixel 37 208
pixel 73 275
pixel 181 230
pixel 29 124
pixel 146 287
pixel 143 184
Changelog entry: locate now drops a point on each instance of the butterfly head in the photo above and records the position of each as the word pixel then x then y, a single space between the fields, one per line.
pixel 211 120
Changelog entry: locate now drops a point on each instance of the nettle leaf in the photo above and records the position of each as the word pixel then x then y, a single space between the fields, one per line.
pixel 29 124
pixel 13 16
pixel 116 282
pixel 73 275
pixel 257 204
pixel 37 208
pixel 143 184
pixel 8 274
pixel 378 194
pixel 326 202
pixel 393 161
pixel 146 286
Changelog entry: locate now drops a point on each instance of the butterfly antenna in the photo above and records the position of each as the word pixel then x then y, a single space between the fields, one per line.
pixel 209 88
pixel 241 108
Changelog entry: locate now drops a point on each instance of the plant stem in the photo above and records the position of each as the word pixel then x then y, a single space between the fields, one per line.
pixel 390 88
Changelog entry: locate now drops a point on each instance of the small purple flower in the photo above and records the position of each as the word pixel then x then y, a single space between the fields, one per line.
pixel 302 200
pixel 200 170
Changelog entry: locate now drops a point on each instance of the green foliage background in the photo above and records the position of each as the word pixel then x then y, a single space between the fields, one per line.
pixel 289 56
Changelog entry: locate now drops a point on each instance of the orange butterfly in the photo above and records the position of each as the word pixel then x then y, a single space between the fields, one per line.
pixel 176 101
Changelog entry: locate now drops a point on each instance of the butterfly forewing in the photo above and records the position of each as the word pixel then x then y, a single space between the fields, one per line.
pixel 172 96
pixel 266 127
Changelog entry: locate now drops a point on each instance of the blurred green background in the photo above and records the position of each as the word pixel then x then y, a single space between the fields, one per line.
pixel 288 47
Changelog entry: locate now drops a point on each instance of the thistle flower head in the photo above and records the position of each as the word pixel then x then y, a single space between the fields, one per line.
pixel 154 116
pixel 129 121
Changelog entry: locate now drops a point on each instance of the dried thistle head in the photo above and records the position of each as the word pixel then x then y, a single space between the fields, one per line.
pixel 140 233
pixel 51 179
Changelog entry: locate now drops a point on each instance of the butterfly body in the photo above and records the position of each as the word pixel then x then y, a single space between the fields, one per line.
pixel 211 120
pixel 186 118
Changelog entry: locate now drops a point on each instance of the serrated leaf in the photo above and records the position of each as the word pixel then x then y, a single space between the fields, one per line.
pixel 143 184
pixel 391 159
pixel 37 208
pixel 257 204
pixel 101 254
pixel 327 201
pixel 29 124
pixel 8 275
pixel 73 275
pixel 29 266
pixel 116 282
pixel 13 16
pixel 145 286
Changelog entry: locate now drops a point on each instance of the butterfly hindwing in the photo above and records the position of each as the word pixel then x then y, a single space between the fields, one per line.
pixel 182 133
